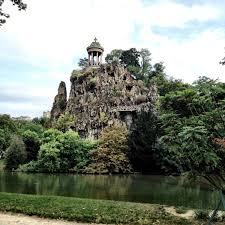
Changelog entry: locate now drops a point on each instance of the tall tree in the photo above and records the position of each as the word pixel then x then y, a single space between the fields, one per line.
pixel 130 58
pixel 145 62
pixel 114 56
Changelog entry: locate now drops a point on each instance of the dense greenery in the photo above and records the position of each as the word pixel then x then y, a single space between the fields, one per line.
pixel 184 133
pixel 88 210
pixel 15 153
pixel 111 155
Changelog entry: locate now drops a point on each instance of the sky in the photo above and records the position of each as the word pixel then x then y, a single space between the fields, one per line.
pixel 41 46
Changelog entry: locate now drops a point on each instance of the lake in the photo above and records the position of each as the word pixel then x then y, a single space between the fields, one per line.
pixel 133 188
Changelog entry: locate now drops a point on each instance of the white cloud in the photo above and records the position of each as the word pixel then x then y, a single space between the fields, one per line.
pixel 52 33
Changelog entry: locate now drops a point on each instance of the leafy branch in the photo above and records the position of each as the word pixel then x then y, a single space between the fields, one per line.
pixel 4 16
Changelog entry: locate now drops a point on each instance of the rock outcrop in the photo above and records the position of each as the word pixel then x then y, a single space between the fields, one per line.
pixel 60 102
pixel 103 96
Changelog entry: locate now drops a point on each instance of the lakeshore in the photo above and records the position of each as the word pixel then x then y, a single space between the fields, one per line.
pixel 89 210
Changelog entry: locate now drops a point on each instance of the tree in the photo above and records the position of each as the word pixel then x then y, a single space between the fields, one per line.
pixel 15 153
pixel 3 143
pixel 32 143
pixel 48 158
pixel 74 151
pixel 51 135
pixel 143 153
pixel 65 122
pixel 4 16
pixel 145 62
pixel 130 58
pixel 7 128
pixel 111 155
pixel 114 56
pixel 83 63
pixel 156 76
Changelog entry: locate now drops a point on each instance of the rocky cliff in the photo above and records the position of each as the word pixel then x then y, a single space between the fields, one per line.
pixel 105 95
pixel 60 101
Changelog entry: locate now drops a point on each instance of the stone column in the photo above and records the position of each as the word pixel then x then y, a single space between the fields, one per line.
pixel 97 60
pixel 92 58
pixel 101 58
pixel 89 59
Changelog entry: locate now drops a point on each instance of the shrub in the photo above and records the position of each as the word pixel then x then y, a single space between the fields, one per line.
pixel 32 166
pixel 15 154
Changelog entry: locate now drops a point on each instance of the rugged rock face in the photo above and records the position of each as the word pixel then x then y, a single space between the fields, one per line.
pixel 103 96
pixel 60 102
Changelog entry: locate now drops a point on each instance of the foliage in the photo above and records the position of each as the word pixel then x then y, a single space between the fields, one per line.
pixel 7 128
pixel 193 129
pixel 31 126
pixel 74 151
pixel 65 122
pixel 130 58
pixel 61 152
pixel 48 158
pixel 4 16
pixel 3 142
pixel 143 152
pixel 114 56
pixel 32 143
pixel 83 63
pixel 15 153
pixel 111 155
pixel 43 121
pixel 50 135
pixel 145 63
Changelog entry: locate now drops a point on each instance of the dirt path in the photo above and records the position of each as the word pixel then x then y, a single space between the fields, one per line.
pixel 18 219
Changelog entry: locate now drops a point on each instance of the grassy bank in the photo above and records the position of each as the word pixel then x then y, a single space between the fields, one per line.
pixel 88 210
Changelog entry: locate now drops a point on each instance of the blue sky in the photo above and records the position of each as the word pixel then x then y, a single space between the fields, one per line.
pixel 41 47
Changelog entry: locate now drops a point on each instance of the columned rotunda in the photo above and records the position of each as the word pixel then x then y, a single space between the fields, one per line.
pixel 95 52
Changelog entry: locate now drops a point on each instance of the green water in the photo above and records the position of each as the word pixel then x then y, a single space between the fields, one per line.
pixel 134 188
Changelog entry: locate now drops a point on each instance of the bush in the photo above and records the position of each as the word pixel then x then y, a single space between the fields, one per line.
pixel 15 154
pixel 32 166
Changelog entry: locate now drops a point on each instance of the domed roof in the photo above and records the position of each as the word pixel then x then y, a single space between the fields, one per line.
pixel 95 44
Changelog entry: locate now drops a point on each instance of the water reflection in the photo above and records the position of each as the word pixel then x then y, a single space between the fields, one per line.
pixel 136 188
